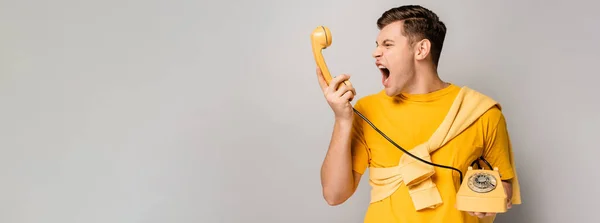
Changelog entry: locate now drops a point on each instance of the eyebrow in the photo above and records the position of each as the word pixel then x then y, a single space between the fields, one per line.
pixel 385 41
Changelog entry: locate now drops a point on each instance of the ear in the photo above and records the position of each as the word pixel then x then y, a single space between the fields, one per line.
pixel 422 49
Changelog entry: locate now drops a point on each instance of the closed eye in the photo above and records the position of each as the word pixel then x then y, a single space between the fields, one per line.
pixel 386 43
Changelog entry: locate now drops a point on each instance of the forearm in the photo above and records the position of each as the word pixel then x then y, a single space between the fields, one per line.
pixel 337 177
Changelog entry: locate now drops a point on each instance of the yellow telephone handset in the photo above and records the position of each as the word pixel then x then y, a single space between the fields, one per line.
pixel 321 39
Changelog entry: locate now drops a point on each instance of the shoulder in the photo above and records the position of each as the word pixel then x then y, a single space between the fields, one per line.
pixel 493 116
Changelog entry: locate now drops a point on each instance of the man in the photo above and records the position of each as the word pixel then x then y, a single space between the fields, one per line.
pixel 413 104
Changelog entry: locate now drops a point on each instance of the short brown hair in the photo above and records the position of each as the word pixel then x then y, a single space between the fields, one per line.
pixel 419 23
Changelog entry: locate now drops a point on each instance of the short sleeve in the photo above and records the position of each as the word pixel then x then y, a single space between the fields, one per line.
pixel 358 145
pixel 498 148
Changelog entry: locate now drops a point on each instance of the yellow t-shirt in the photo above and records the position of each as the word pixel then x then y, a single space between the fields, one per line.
pixel 410 120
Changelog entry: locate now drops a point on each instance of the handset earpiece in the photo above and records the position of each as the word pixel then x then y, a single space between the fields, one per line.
pixel 321 39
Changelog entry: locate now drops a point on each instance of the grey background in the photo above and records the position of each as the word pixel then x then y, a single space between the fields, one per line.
pixel 196 111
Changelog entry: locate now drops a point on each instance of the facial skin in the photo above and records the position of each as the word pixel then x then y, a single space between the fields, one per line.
pixel 404 68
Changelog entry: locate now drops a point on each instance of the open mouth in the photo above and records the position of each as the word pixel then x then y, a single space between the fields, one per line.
pixel 385 73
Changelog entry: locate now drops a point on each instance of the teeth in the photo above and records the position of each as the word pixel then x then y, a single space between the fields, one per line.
pixel 381 67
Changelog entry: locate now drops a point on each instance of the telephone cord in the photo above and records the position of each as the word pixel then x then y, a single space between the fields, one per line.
pixel 402 149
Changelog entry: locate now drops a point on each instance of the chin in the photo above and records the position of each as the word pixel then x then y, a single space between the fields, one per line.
pixel 392 92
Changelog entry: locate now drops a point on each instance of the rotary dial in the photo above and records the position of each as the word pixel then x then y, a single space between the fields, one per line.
pixel 482 182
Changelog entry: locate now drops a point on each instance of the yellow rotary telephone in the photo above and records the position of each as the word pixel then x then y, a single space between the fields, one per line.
pixel 481 192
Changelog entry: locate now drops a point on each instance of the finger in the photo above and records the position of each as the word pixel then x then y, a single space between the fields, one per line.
pixel 332 88
pixel 345 90
pixel 321 79
pixel 350 87
pixel 335 82
pixel 348 96
pixel 479 214
pixel 341 90
pixel 489 214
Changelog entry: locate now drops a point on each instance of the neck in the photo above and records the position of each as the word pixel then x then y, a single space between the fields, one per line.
pixel 425 81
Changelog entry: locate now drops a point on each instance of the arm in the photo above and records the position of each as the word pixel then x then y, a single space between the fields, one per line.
pixel 338 179
pixel 508 189
pixel 347 156
pixel 497 151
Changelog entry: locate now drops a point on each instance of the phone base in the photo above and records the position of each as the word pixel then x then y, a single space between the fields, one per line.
pixel 482 192
pixel 476 204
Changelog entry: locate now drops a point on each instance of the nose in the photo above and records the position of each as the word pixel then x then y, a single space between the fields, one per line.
pixel 376 53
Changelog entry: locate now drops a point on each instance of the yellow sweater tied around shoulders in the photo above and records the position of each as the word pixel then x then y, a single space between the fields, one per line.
pixel 468 106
